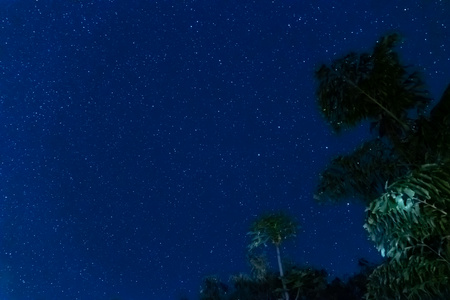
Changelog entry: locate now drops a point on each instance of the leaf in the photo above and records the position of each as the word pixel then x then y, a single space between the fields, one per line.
pixel 409 192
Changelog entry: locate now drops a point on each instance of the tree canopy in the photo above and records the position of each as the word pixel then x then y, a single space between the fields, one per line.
pixel 402 174
pixel 376 87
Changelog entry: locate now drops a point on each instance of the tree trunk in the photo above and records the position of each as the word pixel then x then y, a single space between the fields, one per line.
pixel 280 266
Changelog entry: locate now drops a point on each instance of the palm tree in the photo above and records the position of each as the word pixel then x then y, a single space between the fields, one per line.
pixel 273 228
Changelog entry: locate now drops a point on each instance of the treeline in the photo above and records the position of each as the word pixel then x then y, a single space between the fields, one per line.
pixel 301 282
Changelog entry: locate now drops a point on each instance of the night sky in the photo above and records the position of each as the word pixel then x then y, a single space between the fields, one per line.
pixel 140 139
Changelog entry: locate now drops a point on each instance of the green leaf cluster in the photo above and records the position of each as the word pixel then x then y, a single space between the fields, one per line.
pixel 410 225
pixel 417 278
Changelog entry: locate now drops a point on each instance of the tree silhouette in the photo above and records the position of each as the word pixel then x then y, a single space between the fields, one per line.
pixel 213 289
pixel 248 288
pixel 299 282
pixel 273 228
pixel 306 283
pixel 372 87
pixel 361 175
pixel 403 176
pixel 430 140
pixel 408 222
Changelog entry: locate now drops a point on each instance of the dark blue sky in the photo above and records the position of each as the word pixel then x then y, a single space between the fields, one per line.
pixel 139 139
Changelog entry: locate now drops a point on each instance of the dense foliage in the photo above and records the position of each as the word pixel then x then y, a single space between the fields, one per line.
pixel 410 225
pixel 402 175
pixel 407 220
pixel 296 282
pixel 375 87
pixel 371 86
pixel 303 283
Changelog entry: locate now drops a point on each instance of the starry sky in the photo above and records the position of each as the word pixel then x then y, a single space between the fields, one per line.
pixel 140 139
